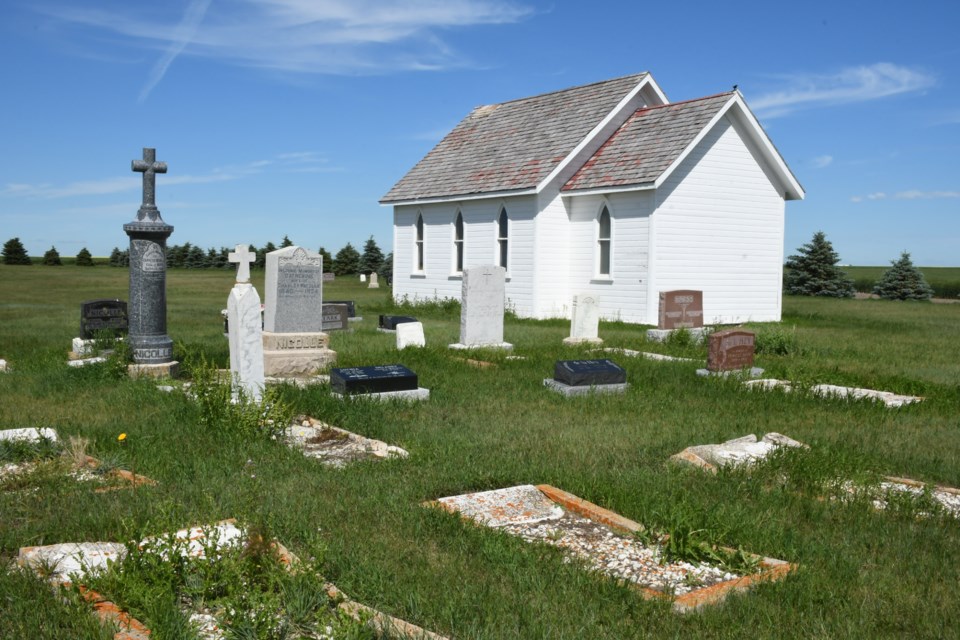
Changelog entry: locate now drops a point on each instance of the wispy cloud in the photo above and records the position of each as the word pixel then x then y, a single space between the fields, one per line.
pixel 912 194
pixel 297 162
pixel 305 36
pixel 822 161
pixel 182 36
pixel 853 84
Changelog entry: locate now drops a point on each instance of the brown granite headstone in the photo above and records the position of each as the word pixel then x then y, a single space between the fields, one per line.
pixel 730 350
pixel 681 309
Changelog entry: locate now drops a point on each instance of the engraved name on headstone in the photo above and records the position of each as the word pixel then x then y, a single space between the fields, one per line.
pixel 335 317
pixel 681 309
pixel 578 373
pixel 730 350
pixel 379 379
pixel 294 286
pixel 106 314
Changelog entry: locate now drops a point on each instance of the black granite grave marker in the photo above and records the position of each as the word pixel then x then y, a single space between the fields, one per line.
pixel 103 314
pixel 585 373
pixel 351 309
pixel 390 322
pixel 380 379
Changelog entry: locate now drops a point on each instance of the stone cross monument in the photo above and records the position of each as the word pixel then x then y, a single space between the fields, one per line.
pixel 147 313
pixel 245 330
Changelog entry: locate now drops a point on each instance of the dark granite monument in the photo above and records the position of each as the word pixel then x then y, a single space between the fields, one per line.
pixel 335 317
pixel 579 373
pixel 148 272
pixel 351 307
pixel 380 379
pixel 389 323
pixel 730 350
pixel 106 314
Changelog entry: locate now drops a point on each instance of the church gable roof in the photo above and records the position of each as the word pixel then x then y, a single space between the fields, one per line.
pixel 511 146
pixel 647 144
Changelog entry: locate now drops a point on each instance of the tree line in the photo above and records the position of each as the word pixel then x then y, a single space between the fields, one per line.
pixel 347 261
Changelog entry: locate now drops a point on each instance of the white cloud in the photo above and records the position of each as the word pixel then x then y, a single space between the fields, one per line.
pixel 308 36
pixel 298 162
pixel 912 194
pixel 822 161
pixel 853 84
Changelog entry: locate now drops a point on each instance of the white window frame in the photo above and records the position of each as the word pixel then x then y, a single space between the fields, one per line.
pixel 503 239
pixel 459 244
pixel 598 244
pixel 419 244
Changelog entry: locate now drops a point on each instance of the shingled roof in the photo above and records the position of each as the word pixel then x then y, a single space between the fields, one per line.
pixel 646 144
pixel 511 146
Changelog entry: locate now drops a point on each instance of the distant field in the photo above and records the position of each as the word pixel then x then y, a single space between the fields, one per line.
pixel 944 280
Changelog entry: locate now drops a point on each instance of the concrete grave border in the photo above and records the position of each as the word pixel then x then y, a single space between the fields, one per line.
pixel 771 569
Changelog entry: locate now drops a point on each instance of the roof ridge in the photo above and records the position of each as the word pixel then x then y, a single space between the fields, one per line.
pixel 674 104
pixel 639 75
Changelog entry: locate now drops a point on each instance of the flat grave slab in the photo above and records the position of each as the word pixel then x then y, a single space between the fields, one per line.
pixel 389 323
pixel 768 384
pixel 739 451
pixel 605 543
pixel 381 382
pixel 579 377
pixel 62 564
pixel 890 399
pixel 337 447
pixel 632 353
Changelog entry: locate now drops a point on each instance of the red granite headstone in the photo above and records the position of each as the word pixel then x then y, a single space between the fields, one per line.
pixel 730 350
pixel 681 309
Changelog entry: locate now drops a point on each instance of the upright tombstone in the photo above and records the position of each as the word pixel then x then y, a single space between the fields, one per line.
pixel 335 317
pixel 351 307
pixel 410 334
pixel 584 320
pixel 481 308
pixel 151 346
pixel 363 277
pixel 244 327
pixel 681 309
pixel 294 344
pixel 374 281
pixel 731 351
pixel 97 317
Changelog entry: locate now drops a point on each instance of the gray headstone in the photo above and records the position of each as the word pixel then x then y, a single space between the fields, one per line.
pixel 294 291
pixel 481 315
pixel 246 339
pixel 336 317
pixel 148 271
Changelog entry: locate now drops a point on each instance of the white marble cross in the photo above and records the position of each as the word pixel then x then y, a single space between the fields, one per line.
pixel 243 258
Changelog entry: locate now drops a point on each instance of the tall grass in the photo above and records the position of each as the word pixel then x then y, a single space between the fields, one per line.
pixel 863 573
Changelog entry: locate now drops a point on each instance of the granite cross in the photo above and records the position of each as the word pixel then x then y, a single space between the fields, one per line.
pixel 148 167
pixel 243 258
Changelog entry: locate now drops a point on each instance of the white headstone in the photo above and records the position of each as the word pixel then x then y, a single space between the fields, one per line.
pixel 294 291
pixel 481 314
pixel 29 434
pixel 363 277
pixel 3 365
pixel 246 339
pixel 374 284
pixel 584 319
pixel 410 334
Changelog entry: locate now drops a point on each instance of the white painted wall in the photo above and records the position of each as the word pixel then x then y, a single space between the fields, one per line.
pixel 719 227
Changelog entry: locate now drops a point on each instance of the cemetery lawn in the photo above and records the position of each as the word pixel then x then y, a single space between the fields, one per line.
pixel 862 573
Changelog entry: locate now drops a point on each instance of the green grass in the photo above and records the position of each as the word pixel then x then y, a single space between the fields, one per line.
pixel 862 573
pixel 944 280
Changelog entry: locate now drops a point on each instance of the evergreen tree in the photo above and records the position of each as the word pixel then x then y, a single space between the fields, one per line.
pixel 347 261
pixel 196 259
pixel 386 270
pixel 212 259
pixel 14 253
pixel 223 260
pixel 262 255
pixel 327 260
pixel 372 259
pixel 903 281
pixel 52 258
pixel 84 259
pixel 814 271
pixel 114 260
pixel 286 242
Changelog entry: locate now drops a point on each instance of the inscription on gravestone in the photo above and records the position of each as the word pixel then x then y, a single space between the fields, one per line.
pixel 294 285
pixel 579 373
pixel 335 317
pixel 379 379
pixel 104 314
pixel 730 350
pixel 351 308
pixel 681 309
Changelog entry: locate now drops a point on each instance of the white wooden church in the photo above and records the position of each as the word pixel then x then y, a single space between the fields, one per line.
pixel 606 189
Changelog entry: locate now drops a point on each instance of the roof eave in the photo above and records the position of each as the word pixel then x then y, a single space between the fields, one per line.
pixel 459 197
pixel 593 191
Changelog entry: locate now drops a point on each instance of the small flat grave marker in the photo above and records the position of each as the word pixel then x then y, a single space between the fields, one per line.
pixel 739 451
pixel 378 382
pixel 579 377
pixel 389 323
pixel 337 447
pixel 888 398
pixel 605 542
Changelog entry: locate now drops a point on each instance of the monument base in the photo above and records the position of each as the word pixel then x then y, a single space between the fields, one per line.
pixel 296 355
pixel 162 370
pixel 506 346
pixel 572 342
pixel 752 372
pixel 571 391
pixel 410 395
pixel 662 335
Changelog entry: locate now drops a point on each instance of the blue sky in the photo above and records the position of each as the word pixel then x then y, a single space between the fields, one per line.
pixel 295 116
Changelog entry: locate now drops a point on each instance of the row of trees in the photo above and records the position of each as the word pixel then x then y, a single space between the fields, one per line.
pixel 814 271
pixel 348 260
